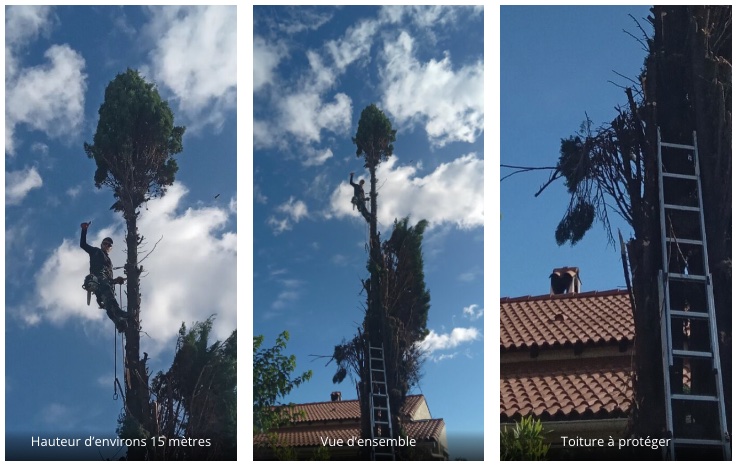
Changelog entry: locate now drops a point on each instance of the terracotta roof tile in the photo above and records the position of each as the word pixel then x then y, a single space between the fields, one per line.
pixel 561 320
pixel 422 430
pixel 347 410
pixel 341 420
pixel 313 435
pixel 328 411
pixel 573 389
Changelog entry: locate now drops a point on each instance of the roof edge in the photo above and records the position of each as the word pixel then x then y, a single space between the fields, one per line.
pixel 529 298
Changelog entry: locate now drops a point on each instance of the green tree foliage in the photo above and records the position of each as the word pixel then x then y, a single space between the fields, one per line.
pixel 406 299
pixel 525 442
pixel 598 167
pixel 135 142
pixel 407 302
pixel 272 380
pixel 197 397
pixel 375 136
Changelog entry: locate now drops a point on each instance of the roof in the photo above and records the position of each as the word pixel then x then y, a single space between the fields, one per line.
pixel 568 390
pixel 316 423
pixel 346 410
pixel 313 435
pixel 593 318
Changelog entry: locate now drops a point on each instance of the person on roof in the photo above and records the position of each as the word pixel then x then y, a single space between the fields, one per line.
pixel 359 198
pixel 100 280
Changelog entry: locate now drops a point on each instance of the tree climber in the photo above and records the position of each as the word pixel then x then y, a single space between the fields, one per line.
pixel 359 197
pixel 100 281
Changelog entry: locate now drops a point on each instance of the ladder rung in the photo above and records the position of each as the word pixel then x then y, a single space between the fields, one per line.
pixel 684 241
pixel 687 277
pixel 682 176
pixel 680 207
pixel 692 397
pixel 689 314
pixel 380 408
pixel 700 442
pixel 677 146
pixel 691 353
pixel 377 422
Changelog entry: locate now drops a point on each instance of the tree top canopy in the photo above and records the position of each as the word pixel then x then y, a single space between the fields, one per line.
pixel 375 136
pixel 135 140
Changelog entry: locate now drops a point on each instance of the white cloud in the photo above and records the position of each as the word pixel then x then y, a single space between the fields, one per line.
pixel 473 274
pixel 316 157
pixel 19 183
pixel 22 25
pixel 472 312
pixel 305 115
pixel 449 103
pixel 293 20
pixel 426 17
pixel 435 342
pixel 354 45
pixel 258 195
pixel 451 194
pixel 189 276
pixel 290 293
pixel 40 148
pixel 294 210
pixel 74 191
pixel 58 416
pixel 305 111
pixel 195 57
pixel 47 97
pixel 266 58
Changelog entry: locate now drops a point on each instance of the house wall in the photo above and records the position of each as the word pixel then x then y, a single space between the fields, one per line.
pixel 422 412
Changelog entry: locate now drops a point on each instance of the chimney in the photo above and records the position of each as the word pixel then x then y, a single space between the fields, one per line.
pixel 564 280
pixel 336 396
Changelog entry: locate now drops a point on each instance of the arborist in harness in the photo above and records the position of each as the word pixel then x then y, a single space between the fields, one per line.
pixel 359 197
pixel 100 281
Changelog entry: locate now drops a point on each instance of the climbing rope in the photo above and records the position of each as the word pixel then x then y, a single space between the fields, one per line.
pixel 115 347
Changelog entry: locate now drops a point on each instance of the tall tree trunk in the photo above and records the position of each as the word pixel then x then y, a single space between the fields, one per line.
pixel 711 89
pixel 137 393
pixel 687 88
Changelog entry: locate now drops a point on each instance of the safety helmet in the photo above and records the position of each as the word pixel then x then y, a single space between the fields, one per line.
pixel 107 239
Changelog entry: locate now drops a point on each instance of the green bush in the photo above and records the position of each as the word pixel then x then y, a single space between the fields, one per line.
pixel 525 442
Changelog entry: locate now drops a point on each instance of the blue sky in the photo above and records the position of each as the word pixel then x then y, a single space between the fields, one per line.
pixel 59 369
pixel 557 63
pixel 315 70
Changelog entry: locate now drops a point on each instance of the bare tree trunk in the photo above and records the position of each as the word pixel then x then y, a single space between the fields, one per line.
pixel 687 85
pixel 137 393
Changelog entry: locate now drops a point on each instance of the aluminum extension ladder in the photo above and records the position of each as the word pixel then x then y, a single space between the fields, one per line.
pixel 379 405
pixel 695 409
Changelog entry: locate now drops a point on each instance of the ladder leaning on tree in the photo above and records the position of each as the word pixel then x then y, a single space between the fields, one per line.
pixel 695 408
pixel 379 406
